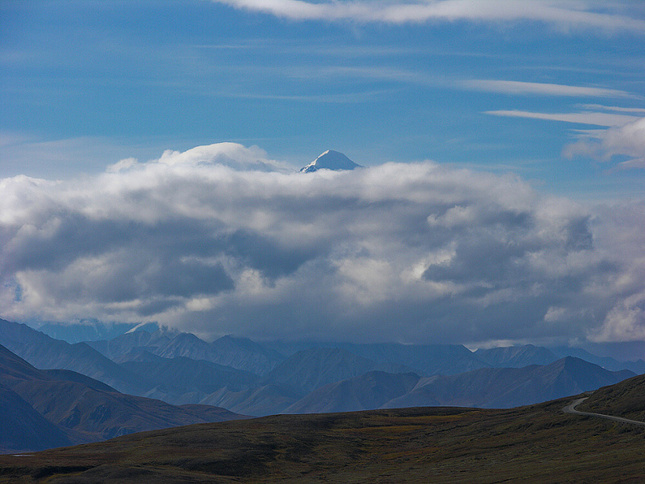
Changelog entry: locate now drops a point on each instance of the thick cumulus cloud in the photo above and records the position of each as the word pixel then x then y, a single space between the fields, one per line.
pixel 219 239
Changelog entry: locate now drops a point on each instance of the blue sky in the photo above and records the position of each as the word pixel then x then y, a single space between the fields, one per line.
pixel 136 78
pixel 157 142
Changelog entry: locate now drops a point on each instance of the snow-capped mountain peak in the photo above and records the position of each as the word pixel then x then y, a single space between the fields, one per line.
pixel 330 160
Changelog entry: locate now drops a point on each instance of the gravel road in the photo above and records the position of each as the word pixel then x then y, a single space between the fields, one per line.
pixel 571 408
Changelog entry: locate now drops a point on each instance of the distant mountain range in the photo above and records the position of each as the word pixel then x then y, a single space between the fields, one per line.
pixel 536 443
pixel 238 353
pixel 310 369
pixel 52 408
pixel 184 380
pixel 368 391
pixel 251 378
pixel 486 388
pixel 45 353
pixel 517 356
pixel 87 330
pixel 510 387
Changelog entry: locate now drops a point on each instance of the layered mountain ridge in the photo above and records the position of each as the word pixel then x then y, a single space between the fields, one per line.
pixel 251 378
pixel 43 409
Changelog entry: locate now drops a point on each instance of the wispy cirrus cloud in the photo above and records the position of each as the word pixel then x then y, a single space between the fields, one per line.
pixel 561 14
pixel 587 117
pixel 623 133
pixel 26 153
pixel 616 109
pixel 542 89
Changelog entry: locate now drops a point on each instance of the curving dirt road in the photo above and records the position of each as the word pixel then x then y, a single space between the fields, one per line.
pixel 571 408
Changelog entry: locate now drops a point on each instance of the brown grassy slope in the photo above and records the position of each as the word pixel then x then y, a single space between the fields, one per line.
pixel 538 443
pixel 625 399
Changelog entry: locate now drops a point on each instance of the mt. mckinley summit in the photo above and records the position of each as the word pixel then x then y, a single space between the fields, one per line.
pixel 330 160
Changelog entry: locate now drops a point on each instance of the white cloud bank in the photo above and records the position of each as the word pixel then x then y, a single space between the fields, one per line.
pixel 626 140
pixel 565 15
pixel 220 239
